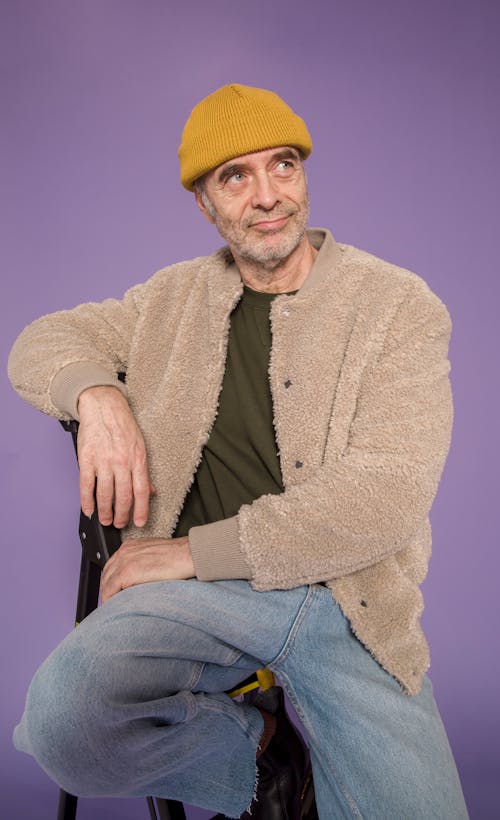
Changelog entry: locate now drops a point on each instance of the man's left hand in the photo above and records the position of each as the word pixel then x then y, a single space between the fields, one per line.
pixel 140 560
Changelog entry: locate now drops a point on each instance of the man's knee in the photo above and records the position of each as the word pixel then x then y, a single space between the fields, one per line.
pixel 66 724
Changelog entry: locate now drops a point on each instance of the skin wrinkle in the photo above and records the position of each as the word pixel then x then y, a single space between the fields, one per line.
pixel 271 185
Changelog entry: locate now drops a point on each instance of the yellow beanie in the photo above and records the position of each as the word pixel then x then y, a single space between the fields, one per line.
pixel 237 120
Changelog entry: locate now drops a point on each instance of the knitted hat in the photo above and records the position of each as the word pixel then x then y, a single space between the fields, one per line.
pixel 237 120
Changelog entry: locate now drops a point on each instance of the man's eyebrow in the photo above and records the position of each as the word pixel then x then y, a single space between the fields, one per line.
pixel 286 153
pixel 229 170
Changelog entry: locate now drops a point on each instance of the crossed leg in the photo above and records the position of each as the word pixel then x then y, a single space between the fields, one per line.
pixel 132 703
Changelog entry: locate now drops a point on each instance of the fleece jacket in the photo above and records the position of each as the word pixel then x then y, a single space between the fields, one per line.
pixel 362 406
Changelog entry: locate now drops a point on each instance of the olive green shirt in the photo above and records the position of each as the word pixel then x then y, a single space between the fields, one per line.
pixel 240 460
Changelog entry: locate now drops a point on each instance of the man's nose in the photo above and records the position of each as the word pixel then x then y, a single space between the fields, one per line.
pixel 265 193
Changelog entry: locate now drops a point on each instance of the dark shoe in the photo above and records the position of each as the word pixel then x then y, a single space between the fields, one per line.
pixel 284 783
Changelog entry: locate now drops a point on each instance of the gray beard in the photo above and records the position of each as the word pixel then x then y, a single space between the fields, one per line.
pixel 270 258
pixel 265 257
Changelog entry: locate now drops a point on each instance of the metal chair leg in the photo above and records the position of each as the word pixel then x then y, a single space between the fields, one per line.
pixel 168 809
pixel 152 808
pixel 66 809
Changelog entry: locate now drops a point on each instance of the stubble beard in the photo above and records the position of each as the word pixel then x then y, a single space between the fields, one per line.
pixel 255 248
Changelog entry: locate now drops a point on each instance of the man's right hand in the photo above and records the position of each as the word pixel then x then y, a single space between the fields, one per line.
pixel 112 458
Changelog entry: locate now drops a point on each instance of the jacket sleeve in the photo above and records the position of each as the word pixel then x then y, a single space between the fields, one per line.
pixel 63 353
pixel 370 501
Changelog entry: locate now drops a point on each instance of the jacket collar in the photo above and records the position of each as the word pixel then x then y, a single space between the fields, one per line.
pixel 328 258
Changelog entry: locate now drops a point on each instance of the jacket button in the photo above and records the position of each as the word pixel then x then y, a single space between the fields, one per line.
pixel 288 383
pixel 299 464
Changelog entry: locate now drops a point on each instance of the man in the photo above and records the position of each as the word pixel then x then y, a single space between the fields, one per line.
pixel 280 440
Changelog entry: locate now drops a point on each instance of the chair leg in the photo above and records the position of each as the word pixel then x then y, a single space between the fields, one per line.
pixel 167 809
pixel 67 806
pixel 152 808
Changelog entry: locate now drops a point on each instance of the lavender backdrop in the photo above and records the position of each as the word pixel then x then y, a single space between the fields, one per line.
pixel 402 101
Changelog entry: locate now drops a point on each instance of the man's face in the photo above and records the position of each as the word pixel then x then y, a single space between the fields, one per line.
pixel 258 203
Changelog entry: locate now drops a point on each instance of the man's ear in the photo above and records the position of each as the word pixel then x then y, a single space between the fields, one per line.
pixel 202 207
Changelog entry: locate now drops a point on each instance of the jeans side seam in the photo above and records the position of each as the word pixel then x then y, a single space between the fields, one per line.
pixel 306 605
pixel 288 687
pixel 296 623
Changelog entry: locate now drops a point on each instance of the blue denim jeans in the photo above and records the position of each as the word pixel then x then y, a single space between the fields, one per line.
pixel 132 703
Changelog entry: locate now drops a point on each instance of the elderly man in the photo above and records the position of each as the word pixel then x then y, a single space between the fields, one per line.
pixel 279 443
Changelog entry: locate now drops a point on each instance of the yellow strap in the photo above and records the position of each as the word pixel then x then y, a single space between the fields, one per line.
pixel 265 679
pixel 242 690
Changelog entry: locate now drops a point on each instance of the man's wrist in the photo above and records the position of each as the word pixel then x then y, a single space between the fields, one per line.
pixel 98 393
pixel 183 544
pixel 73 379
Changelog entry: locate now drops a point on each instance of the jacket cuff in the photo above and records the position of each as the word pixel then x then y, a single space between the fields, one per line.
pixel 216 552
pixel 74 378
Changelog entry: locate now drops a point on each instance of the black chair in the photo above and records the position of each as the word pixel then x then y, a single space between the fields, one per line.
pixel 99 542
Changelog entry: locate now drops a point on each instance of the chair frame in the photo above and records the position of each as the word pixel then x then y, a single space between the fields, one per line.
pixel 99 542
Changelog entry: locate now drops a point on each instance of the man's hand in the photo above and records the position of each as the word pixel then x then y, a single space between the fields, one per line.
pixel 112 458
pixel 141 560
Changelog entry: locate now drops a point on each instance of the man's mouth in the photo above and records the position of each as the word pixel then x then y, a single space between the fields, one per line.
pixel 270 224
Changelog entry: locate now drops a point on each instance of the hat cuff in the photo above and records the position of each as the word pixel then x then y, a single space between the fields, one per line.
pixel 268 131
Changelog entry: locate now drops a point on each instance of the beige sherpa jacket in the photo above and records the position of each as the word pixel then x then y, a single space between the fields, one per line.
pixel 363 416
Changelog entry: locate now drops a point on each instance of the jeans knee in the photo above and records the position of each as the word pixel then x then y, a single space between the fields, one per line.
pixel 64 725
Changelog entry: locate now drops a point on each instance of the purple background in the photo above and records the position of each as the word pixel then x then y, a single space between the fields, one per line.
pixel 402 102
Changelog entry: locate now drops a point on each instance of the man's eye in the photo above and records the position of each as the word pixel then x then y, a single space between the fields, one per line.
pixel 234 177
pixel 286 165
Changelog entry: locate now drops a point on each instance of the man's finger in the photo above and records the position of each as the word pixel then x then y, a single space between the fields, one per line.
pixel 142 490
pixel 104 497
pixel 123 499
pixel 110 586
pixel 114 573
pixel 87 487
